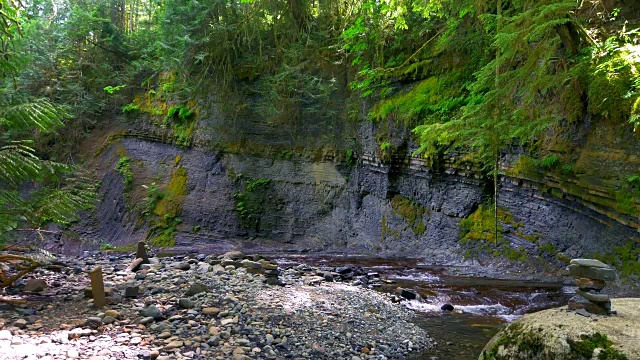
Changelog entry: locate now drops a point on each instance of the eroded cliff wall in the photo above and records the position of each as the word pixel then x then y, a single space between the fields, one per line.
pixel 279 195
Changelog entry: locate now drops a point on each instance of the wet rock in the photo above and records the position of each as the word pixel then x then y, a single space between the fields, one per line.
pixel 408 294
pixel 447 307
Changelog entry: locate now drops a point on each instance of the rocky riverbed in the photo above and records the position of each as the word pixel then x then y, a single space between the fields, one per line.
pixel 206 307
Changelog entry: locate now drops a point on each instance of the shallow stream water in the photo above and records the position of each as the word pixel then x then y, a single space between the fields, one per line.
pixel 483 306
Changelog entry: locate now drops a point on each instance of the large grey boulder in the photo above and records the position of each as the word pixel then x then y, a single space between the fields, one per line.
pixel 566 335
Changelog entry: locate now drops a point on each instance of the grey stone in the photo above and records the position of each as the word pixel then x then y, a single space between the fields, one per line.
pixel 151 311
pixel 583 312
pixel 197 288
pixel 141 253
pixel 20 323
pixel 183 266
pixel 108 319
pixel 35 285
pixel 578 302
pixel 186 303
pixel 595 273
pixel 595 297
pixel 589 263
pixel 131 291
pixel 234 255
pixel 147 320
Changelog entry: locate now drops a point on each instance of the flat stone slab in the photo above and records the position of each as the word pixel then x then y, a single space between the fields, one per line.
pixel 589 263
pixel 584 283
pixel 594 273
pixel 598 298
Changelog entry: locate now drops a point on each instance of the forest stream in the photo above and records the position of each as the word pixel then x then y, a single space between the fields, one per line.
pixel 482 306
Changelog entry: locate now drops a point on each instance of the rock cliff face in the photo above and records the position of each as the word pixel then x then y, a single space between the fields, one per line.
pixel 252 193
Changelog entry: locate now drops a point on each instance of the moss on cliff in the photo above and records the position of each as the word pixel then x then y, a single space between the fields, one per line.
pixel 624 258
pixel 411 212
pixel 477 234
pixel 251 200
pixel 168 209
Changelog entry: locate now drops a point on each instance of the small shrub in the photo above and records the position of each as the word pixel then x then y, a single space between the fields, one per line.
pixel 350 157
pixel 130 108
pixel 112 89
pixel 549 162
pixel 151 200
pixel 107 247
pixel 123 166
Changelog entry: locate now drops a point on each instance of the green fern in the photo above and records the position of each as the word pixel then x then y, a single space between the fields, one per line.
pixel 56 197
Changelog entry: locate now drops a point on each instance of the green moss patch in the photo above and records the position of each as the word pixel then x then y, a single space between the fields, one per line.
pixel 477 233
pixel 123 166
pixel 251 200
pixel 168 207
pixel 529 345
pixel 410 211
pixel 624 259
pixel 585 347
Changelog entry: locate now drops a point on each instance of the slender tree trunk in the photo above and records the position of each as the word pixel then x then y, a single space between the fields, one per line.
pixel 495 195
pixel 497 144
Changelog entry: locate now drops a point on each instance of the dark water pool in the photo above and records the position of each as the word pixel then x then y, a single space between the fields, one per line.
pixel 482 306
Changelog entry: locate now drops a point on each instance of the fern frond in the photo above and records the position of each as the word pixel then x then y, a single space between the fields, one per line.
pixel 37 114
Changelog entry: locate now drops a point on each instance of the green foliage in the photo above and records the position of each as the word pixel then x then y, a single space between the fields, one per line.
pixel 549 161
pixel 107 247
pixel 584 348
pixel 350 157
pixel 251 200
pixel 168 207
pixel 57 196
pixel 123 166
pixel 179 112
pixel 634 181
pixel 479 226
pixel 411 211
pixel 112 89
pixel 477 233
pixel 181 119
pixel 170 204
pixel 130 108
pixel 548 248
pixel 514 336
pixel 154 195
pixel 625 258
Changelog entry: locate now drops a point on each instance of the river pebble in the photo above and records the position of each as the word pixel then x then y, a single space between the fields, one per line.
pixel 208 307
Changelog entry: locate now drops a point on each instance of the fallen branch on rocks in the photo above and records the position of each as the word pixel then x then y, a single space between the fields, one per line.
pixel 23 265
